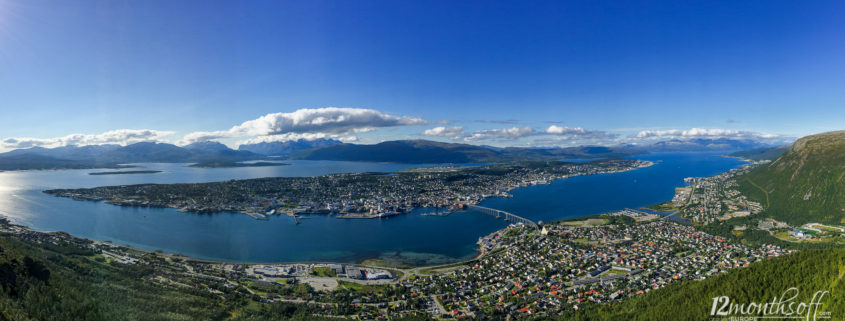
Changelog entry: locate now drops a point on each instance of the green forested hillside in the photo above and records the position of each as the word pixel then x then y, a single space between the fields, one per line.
pixel 807 270
pixel 67 282
pixel 805 184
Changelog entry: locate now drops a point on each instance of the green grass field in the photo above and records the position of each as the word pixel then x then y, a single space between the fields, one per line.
pixel 323 272
pixel 362 288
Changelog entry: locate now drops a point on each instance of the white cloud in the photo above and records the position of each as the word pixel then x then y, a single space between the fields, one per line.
pixel 502 133
pixel 711 133
pixel 295 136
pixel 120 137
pixel 562 136
pixel 560 130
pixel 554 135
pixel 329 120
pixel 578 132
pixel 646 137
pixel 456 132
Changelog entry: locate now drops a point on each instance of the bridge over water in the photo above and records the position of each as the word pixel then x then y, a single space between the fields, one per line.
pixel 499 213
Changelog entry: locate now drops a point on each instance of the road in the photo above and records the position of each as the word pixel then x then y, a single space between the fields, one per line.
pixel 439 306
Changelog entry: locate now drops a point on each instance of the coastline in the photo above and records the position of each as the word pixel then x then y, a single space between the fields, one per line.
pixel 477 252
pixel 739 158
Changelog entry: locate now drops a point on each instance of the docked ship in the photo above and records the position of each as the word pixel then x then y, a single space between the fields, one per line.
pixel 387 214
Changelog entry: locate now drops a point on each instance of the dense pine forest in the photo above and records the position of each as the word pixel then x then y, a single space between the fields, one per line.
pixel 807 270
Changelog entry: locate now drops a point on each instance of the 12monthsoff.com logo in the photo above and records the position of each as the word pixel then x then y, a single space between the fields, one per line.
pixel 785 307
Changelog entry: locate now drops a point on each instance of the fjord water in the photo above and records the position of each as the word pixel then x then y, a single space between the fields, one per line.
pixel 410 238
pixel 587 195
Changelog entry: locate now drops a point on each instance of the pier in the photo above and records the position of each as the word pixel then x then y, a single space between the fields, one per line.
pixel 257 216
pixel 293 215
pixel 499 213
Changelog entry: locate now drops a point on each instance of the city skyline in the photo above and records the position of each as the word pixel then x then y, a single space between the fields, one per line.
pixel 549 74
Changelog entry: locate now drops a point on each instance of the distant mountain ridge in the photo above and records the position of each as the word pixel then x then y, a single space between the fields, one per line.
pixel 765 153
pixel 97 156
pixel 65 152
pixel 426 151
pixel 399 151
pixel 287 148
pixel 24 161
pixel 805 184
pixel 704 144
pixel 208 146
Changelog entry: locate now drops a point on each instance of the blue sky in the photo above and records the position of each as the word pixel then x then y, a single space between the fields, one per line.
pixel 605 72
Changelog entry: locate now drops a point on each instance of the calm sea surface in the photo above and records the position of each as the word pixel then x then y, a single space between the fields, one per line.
pixel 410 238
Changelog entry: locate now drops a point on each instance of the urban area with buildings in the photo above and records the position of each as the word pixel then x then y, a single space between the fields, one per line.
pixel 716 199
pixel 708 199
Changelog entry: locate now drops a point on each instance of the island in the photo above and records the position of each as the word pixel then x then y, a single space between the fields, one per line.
pixel 236 164
pixel 359 195
pixel 125 172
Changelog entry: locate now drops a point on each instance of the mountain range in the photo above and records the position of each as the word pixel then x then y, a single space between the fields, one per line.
pixel 704 144
pixel 403 151
pixel 399 151
pixel 426 151
pixel 287 148
pixel 102 156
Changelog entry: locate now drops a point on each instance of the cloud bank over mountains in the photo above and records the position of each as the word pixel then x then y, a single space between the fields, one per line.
pixel 120 137
pixel 500 134
pixel 702 133
pixel 551 135
pixel 555 135
pixel 346 124
pixel 654 136
pixel 330 122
